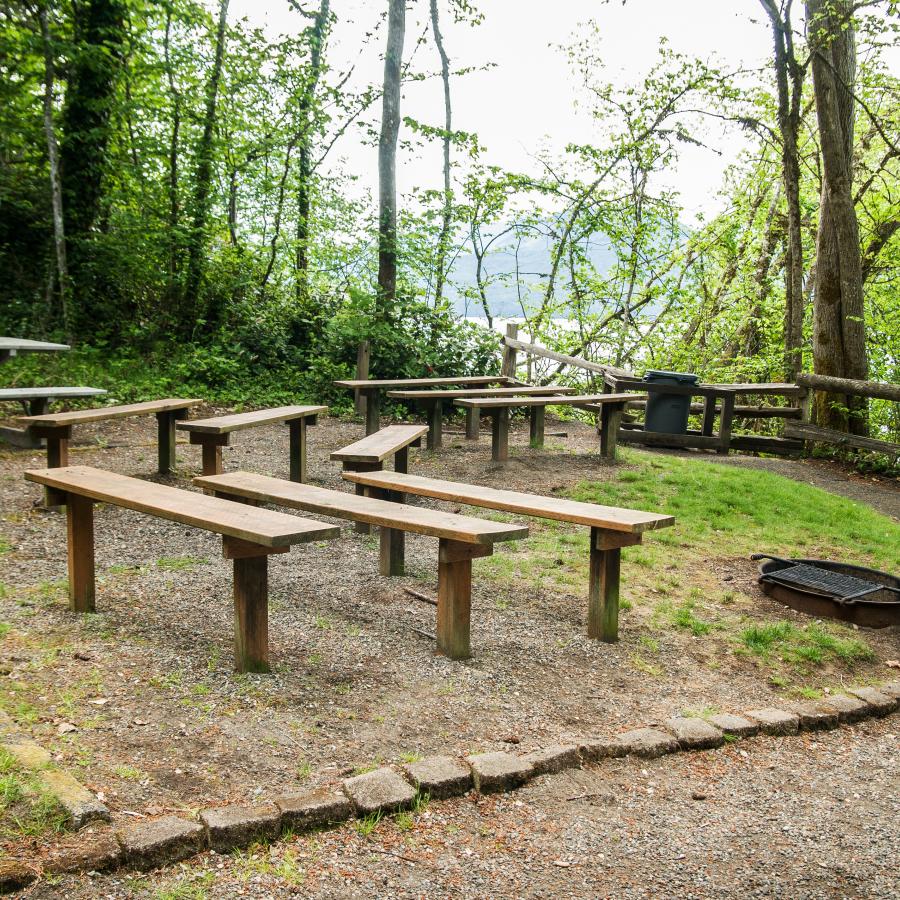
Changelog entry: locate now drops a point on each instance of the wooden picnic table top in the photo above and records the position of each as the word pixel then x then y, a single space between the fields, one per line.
pixel 377 383
pixel 50 393
pixel 24 345
pixel 101 414
pixel 552 400
pixel 523 390
pixel 237 421
pixel 343 505
pixel 559 508
pixel 249 523
pixel 379 445
pixel 656 387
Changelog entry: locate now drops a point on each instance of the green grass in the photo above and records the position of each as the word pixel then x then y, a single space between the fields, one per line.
pixel 26 809
pixel 810 646
pixel 179 563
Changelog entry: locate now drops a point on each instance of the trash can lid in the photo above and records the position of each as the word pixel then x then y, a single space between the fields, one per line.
pixel 682 377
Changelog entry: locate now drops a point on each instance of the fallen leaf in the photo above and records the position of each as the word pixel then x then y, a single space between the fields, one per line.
pixel 100 701
pixel 141 722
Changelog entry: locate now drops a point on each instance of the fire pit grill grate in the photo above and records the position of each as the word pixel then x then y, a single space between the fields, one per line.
pixel 816 579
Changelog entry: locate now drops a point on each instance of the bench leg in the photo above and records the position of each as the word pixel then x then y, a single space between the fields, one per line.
pixel 435 425
pixel 80 528
pixel 603 593
pixel 401 460
pixel 165 442
pixel 57 457
pixel 212 458
pixel 455 595
pixel 725 421
pixel 361 490
pixel 393 552
pixel 473 423
pixel 610 421
pixel 536 426
pixel 298 450
pixel 500 434
pixel 373 411
pixel 709 415
pixel 251 614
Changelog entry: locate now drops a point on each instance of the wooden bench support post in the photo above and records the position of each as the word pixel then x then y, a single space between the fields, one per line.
pixel 473 423
pixel 373 410
pixel 435 437
pixel 610 422
pixel 500 434
pixel 401 460
pixel 709 414
pixel 211 448
pixel 165 441
pixel 251 602
pixel 80 528
pixel 298 447
pixel 361 490
pixel 455 596
pixel 536 426
pixel 57 439
pixel 725 423
pixel 392 558
pixel 603 590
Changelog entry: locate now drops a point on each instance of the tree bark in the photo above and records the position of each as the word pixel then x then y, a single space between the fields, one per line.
pixel 839 347
pixel 174 139
pixel 190 305
pixel 447 208
pixel 387 159
pixel 59 230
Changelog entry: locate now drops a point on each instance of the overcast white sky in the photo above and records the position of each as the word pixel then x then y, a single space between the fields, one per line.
pixel 525 102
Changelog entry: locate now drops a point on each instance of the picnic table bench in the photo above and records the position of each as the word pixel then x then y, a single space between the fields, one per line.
pixel 369 453
pixel 35 402
pixel 371 389
pixel 249 536
pixel 610 407
pixel 611 529
pixel 214 433
pixel 57 427
pixel 460 539
pixel 433 402
pixel 11 346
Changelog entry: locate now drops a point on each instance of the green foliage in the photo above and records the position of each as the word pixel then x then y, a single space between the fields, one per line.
pixel 812 645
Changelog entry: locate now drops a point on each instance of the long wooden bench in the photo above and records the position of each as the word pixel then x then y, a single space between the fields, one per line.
pixel 57 427
pixel 461 539
pixel 611 529
pixel 433 401
pixel 249 536
pixel 610 406
pixel 214 433
pixel 35 402
pixel 369 453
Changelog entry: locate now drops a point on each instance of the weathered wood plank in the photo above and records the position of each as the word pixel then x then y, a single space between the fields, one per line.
pixel 464 393
pixel 560 509
pixel 879 390
pixel 603 592
pixel 454 607
pixel 49 393
pixel 547 400
pixel 377 383
pixel 378 446
pixel 253 419
pixel 83 416
pixel 808 432
pixel 251 614
pixel 80 530
pixel 261 526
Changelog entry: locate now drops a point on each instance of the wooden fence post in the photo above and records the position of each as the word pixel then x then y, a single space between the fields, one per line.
pixel 508 368
pixel 362 373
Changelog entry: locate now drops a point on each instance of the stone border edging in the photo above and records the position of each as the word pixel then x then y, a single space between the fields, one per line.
pixel 171 839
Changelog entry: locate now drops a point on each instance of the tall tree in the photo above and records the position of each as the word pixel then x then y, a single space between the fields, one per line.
pixel 203 184
pixel 839 337
pixel 789 78
pixel 447 204
pixel 90 97
pixel 387 157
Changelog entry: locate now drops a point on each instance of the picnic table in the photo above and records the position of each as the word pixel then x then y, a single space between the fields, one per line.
pixel 371 388
pixel 11 346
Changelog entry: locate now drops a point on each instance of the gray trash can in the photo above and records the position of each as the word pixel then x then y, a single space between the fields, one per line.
pixel 668 413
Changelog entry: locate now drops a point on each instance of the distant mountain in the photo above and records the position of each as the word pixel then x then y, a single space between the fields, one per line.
pixel 499 275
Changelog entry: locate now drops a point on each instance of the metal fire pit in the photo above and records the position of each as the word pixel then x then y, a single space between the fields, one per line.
pixel 832 590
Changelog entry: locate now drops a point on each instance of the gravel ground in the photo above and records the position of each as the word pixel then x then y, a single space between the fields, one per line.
pixel 802 817
pixel 163 724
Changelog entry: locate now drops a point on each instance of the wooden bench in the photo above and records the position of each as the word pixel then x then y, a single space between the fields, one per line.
pixel 610 407
pixel 461 539
pixel 433 401
pixel 213 434
pixel 371 389
pixel 249 536
pixel 369 453
pixel 57 427
pixel 35 402
pixel 611 529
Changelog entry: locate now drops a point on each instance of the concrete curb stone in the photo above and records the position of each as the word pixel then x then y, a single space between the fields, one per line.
pixel 440 776
pixel 232 827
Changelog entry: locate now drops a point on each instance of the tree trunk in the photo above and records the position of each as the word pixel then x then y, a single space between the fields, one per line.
pixel 839 347
pixel 90 96
pixel 387 159
pixel 318 33
pixel 444 236
pixel 174 139
pixel 190 305
pixel 59 231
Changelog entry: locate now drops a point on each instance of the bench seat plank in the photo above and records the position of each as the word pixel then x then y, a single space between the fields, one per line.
pixel 49 393
pixel 266 527
pixel 101 414
pixel 341 505
pixel 631 521
pixel 376 383
pixel 378 446
pixel 238 421
pixel 547 400
pixel 465 393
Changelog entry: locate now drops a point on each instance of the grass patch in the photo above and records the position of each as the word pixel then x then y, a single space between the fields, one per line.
pixel 26 809
pixel 813 645
pixel 179 563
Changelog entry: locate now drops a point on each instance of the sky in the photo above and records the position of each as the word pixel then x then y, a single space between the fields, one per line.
pixel 525 102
